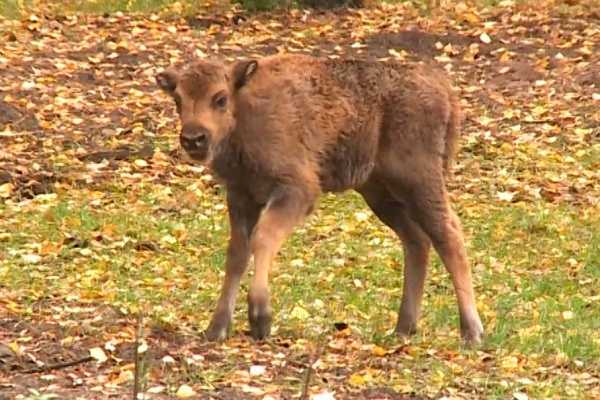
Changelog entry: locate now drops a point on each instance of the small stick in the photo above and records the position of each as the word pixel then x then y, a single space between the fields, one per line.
pixel 539 121
pixel 318 353
pixel 46 368
pixel 136 357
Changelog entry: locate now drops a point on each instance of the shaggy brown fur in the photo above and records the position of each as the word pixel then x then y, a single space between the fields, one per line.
pixel 282 130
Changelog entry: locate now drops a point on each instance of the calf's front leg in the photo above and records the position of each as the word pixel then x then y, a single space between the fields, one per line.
pixel 243 215
pixel 283 212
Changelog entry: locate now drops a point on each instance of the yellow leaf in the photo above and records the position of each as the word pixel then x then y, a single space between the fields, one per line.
pixel 485 38
pixel 98 354
pixel 14 346
pixel 361 216
pixel 378 351
pixel 509 363
pixel 67 340
pixel 168 239
pixel 185 391
pixel 142 347
pixel 177 7
pixel 506 196
pixel 448 49
pixel 472 18
pixel 128 367
pixel 140 163
pixel 6 190
pixel 323 396
pixel 460 8
pixel 156 389
pixel 96 195
pixel 123 44
pixel 327 28
pixel 356 379
pixel 257 369
pixel 396 54
pixel 94 60
pixel 32 258
pixel 124 376
pixel 299 313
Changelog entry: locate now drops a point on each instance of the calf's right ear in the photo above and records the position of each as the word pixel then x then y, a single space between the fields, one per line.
pixel 242 71
pixel 167 80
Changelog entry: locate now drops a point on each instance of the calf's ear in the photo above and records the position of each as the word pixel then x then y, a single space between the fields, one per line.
pixel 242 71
pixel 167 80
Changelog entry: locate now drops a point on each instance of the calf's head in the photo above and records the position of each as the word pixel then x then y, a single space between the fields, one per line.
pixel 204 94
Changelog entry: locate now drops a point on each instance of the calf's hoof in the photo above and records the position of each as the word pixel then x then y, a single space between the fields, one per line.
pixel 215 334
pixel 260 327
pixel 405 329
pixel 260 320
pixel 259 313
pixel 472 335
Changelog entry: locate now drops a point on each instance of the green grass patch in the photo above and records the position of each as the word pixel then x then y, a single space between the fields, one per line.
pixel 19 8
pixel 536 270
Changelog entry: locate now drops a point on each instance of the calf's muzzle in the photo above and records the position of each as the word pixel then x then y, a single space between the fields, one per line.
pixel 195 140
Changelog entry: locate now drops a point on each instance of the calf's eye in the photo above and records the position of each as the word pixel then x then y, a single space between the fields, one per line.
pixel 221 102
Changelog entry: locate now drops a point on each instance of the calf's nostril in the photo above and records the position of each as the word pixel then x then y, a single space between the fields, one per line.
pixel 187 143
pixel 193 141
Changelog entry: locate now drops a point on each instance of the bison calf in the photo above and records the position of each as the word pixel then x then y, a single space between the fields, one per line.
pixel 280 131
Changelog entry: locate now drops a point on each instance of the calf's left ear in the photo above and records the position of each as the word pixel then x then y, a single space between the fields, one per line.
pixel 242 71
pixel 167 80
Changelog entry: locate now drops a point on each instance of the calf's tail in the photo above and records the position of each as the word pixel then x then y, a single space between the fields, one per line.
pixel 452 133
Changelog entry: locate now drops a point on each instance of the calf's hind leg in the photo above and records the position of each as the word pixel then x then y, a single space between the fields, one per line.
pixel 428 204
pixel 416 246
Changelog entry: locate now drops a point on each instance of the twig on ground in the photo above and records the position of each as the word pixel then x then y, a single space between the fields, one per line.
pixel 136 357
pixel 317 355
pixel 539 121
pixel 51 367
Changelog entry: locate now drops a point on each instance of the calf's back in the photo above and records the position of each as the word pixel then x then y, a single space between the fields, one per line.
pixel 334 122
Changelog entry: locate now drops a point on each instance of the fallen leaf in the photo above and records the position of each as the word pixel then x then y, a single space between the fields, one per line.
pixel 323 396
pixel 506 196
pixel 185 391
pixel 257 370
pixel 6 190
pixel 14 346
pixel 299 313
pixel 98 354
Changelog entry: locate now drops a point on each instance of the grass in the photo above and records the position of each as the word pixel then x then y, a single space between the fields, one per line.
pixel 20 8
pixel 161 247
pixel 536 272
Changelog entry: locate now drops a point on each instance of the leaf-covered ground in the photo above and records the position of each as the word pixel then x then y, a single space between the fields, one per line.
pixel 101 216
